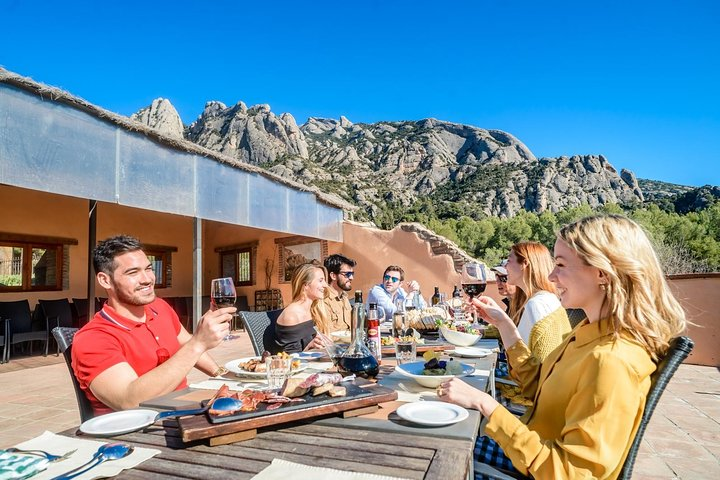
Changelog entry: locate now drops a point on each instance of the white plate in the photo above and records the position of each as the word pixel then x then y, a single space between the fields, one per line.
pixel 117 423
pixel 470 352
pixel 433 414
pixel 234 367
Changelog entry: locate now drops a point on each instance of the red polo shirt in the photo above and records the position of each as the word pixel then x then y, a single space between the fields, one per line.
pixel 109 339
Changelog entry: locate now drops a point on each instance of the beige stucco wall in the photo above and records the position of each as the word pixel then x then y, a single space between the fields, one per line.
pixel 45 214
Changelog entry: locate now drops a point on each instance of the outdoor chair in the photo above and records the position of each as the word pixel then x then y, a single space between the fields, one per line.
pixel 56 313
pixel 4 338
pixel 257 324
pixel 80 311
pixel 575 316
pixel 21 326
pixel 679 349
pixel 64 337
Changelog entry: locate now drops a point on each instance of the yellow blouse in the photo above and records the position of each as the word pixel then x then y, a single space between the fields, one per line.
pixel 589 396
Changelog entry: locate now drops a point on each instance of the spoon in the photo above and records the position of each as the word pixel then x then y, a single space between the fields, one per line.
pixel 225 404
pixel 106 452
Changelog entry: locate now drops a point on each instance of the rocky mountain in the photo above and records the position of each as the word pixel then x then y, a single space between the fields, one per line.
pixel 395 165
pixel 655 190
pixel 162 116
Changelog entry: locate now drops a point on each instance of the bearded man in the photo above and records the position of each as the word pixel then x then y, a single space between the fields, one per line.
pixel 135 347
pixel 340 276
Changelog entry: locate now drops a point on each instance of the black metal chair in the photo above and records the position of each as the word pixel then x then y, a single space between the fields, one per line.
pixel 257 324
pixel 575 316
pixel 5 339
pixel 679 350
pixel 80 311
pixel 21 326
pixel 64 337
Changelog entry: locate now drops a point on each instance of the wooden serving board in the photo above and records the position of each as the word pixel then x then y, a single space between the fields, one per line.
pixel 200 427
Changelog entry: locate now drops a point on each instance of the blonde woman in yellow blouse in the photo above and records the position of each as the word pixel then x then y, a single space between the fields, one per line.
pixel 589 394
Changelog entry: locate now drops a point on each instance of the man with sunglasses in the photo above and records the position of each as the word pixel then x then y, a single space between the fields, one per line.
pixel 504 289
pixel 135 348
pixel 340 276
pixel 388 292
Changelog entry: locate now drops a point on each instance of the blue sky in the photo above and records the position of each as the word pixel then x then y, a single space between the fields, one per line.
pixel 635 81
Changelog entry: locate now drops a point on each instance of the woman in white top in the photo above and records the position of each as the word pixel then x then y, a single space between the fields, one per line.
pixel 535 308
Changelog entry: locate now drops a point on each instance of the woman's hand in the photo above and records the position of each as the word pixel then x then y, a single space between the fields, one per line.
pixel 460 393
pixel 319 342
pixel 489 310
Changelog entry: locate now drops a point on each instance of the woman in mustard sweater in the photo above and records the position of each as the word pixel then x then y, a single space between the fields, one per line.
pixel 589 393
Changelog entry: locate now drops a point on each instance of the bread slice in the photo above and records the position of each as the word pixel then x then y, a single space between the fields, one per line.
pixel 292 389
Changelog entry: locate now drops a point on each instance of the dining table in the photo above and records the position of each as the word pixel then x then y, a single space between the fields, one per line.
pixel 379 442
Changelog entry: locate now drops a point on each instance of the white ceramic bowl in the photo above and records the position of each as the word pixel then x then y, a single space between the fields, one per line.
pixel 414 371
pixel 461 339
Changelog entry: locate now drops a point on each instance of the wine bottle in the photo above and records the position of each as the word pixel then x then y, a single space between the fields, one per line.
pixel 373 332
pixel 436 297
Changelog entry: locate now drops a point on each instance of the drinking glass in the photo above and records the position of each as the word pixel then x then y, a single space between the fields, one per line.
pixel 278 370
pixel 222 294
pixel 405 351
pixel 474 280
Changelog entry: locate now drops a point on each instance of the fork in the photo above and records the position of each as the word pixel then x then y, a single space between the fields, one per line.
pixel 42 453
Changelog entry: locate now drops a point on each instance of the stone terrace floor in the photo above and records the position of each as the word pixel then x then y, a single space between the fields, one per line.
pixel 681 442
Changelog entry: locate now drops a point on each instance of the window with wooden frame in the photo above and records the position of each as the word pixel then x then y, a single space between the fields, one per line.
pixel 32 263
pixel 238 263
pixel 161 258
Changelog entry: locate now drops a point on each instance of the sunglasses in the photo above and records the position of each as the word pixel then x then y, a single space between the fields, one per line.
pixel 501 278
pixel 347 274
pixel 392 279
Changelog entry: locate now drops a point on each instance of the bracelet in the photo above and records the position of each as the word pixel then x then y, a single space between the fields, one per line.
pixel 220 371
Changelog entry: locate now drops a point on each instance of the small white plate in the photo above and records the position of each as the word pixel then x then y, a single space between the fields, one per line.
pixel 470 352
pixel 117 423
pixel 234 367
pixel 432 414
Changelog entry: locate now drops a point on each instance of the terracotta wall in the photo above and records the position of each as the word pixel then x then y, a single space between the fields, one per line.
pixel 375 249
pixel 700 296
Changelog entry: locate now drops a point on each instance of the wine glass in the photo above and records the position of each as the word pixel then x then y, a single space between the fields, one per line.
pixel 474 280
pixel 223 294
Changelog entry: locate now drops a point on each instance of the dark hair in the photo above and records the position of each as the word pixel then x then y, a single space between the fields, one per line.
pixel 335 261
pixel 395 268
pixel 105 252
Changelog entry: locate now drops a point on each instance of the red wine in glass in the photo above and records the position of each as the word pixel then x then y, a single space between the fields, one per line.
pixel 473 289
pixel 222 301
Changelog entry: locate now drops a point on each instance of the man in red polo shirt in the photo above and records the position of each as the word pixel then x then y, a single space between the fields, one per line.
pixel 135 348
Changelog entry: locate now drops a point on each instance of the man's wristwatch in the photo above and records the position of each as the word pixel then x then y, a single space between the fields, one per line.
pixel 220 371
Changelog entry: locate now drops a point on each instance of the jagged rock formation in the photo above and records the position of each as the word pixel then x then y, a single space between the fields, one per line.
pixel 387 167
pixel 162 116
pixel 254 135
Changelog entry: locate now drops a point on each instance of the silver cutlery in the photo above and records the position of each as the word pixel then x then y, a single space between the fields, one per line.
pixel 42 453
pixel 106 452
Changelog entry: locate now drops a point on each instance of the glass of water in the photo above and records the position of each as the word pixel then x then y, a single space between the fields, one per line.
pixel 278 370
pixel 405 351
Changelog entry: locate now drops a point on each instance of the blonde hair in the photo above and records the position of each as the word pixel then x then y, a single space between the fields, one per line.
pixel 638 299
pixel 538 264
pixel 303 275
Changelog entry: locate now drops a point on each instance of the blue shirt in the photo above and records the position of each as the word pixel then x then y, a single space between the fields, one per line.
pixel 384 300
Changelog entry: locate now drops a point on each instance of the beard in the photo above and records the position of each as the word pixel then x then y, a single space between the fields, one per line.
pixel 136 298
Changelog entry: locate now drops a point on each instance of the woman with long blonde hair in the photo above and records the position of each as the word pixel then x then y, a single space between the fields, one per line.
pixel 295 329
pixel 589 394
pixel 535 307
